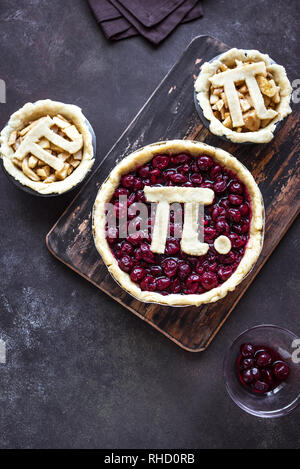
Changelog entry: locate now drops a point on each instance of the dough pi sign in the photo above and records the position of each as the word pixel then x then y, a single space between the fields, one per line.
pixel 2 92
pixel 245 73
pixel 192 198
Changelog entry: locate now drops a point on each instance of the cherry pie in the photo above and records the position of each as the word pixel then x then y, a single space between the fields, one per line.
pixel 164 261
pixel 243 95
pixel 47 146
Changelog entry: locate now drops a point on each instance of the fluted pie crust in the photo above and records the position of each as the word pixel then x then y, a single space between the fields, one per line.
pixel 138 158
pixel 32 112
pixel 209 72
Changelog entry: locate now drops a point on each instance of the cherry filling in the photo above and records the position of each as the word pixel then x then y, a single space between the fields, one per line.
pixel 261 369
pixel 175 271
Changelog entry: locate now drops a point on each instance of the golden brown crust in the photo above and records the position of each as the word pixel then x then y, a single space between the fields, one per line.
pixel 140 157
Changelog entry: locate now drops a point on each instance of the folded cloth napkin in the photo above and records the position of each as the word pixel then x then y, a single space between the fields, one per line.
pixel 120 19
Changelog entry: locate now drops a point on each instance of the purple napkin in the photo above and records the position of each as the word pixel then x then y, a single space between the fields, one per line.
pixel 120 19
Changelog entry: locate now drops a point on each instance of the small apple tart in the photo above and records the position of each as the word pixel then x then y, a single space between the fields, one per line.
pixel 47 146
pixel 244 95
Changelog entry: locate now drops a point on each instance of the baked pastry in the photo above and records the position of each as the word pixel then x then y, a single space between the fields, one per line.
pixel 47 146
pixel 154 256
pixel 243 95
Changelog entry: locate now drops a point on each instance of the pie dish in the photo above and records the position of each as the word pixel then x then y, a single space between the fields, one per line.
pixel 47 146
pixel 165 262
pixel 243 95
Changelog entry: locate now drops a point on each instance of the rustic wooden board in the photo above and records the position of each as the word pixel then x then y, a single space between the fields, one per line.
pixel 170 113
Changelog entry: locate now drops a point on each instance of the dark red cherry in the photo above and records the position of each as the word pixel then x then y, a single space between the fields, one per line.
pixel 144 171
pixel 218 212
pixel 184 270
pixel 163 283
pixel 161 161
pixel 220 186
pixel 156 270
pixel 205 163
pixel 178 178
pixel 244 209
pixel 209 280
pixel 247 350
pixel 222 227
pixel 148 283
pixel 215 171
pixel 261 386
pixel 264 359
pixel 125 263
pixel 175 286
pixel 170 267
pixel 137 274
pixel 233 214
pixel 121 191
pixel 235 199
pixel 281 371
pixel 147 254
pixel 247 376
pixel 180 159
pixel 112 234
pixel 196 178
pixel 236 240
pixel 127 181
pixel 255 373
pixel 126 248
pixel 224 272
pixel 247 363
pixel 172 247
pixel 236 187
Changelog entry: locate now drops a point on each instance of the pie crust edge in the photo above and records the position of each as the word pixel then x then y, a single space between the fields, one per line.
pixel 202 86
pixel 140 157
pixel 32 111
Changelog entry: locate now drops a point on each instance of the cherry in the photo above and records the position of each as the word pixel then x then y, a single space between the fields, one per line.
pixel 172 247
pixel 112 234
pixel 264 359
pixel 235 199
pixel 233 214
pixel 137 274
pixel 236 187
pixel 126 248
pixel 144 171
pixel 247 363
pixel 247 376
pixel 218 212
pixel 196 178
pixel 256 373
pixel 224 272
pixel 148 283
pixel 209 280
pixel 244 209
pixel 181 158
pixel 222 227
pixel 247 350
pixel 220 186
pixel 161 161
pixel 125 263
pixel 184 270
pixel 261 386
pixel 170 267
pixel 163 283
pixel 215 171
pixel 178 178
pixel 127 181
pixel 175 286
pixel 281 371
pixel 156 270
pixel 205 163
pixel 147 254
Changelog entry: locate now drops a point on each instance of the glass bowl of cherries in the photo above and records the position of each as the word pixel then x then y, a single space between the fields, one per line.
pixel 262 371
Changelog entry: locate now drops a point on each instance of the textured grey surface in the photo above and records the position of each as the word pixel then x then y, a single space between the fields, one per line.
pixel 82 371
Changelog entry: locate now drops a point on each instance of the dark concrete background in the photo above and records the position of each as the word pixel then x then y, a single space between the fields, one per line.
pixel 82 371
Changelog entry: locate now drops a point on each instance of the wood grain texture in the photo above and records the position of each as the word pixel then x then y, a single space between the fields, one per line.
pixel 170 113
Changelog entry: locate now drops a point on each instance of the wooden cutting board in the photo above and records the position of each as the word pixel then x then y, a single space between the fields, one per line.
pixel 170 113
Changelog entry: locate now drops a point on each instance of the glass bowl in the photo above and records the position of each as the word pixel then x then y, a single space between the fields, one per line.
pixel 286 396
